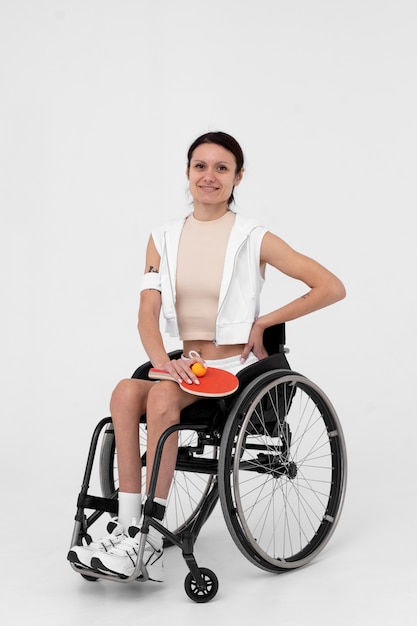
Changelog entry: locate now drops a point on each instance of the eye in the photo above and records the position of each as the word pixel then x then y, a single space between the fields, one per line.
pixel 199 166
pixel 222 168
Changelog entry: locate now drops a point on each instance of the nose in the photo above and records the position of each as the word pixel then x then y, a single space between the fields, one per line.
pixel 209 175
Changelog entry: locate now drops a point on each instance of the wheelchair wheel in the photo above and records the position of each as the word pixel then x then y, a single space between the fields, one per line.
pixel 189 489
pixel 200 594
pixel 282 471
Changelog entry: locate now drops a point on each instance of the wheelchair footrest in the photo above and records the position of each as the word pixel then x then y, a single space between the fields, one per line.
pixel 97 503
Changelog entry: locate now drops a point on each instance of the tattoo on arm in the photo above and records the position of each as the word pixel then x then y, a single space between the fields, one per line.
pixel 152 269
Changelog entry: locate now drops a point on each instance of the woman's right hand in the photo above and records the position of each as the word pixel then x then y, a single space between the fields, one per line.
pixel 181 370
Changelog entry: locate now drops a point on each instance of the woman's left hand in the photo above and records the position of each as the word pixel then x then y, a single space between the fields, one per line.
pixel 255 344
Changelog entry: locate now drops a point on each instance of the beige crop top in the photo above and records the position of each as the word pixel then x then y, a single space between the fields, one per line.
pixel 201 255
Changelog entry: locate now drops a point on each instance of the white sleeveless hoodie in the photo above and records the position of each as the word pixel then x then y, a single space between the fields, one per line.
pixel 241 285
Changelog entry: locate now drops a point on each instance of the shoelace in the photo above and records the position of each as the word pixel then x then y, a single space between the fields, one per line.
pixel 131 544
pixel 110 541
pixel 128 544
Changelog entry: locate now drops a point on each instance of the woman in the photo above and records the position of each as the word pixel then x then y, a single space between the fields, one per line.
pixel 206 272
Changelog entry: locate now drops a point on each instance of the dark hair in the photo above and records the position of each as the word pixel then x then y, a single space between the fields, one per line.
pixel 226 141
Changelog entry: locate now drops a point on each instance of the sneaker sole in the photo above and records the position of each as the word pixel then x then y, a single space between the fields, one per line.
pixel 100 567
pixel 154 578
pixel 153 574
pixel 72 557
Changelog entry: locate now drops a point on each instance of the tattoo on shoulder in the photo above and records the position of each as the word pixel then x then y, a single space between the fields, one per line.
pixel 153 269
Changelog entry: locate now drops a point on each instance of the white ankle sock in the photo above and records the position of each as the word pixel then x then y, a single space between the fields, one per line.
pixel 130 505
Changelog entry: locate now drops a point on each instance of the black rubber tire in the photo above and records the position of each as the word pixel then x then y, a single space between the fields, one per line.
pixel 282 471
pixel 198 594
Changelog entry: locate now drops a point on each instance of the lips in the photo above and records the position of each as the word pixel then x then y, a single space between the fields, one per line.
pixel 208 189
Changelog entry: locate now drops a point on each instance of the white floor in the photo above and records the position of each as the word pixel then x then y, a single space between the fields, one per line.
pixel 364 576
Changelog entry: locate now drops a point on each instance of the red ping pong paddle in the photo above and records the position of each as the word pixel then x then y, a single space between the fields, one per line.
pixel 213 384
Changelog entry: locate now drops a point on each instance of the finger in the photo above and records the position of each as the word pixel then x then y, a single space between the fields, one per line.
pixel 192 376
pixel 172 369
pixel 245 354
pixel 184 369
pixel 188 362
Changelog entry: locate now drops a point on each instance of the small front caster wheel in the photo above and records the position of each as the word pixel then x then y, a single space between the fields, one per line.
pixel 199 593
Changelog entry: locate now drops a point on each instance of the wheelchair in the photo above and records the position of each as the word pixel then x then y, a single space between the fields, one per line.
pixel 273 453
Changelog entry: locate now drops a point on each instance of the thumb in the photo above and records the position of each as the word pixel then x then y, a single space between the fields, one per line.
pixel 245 354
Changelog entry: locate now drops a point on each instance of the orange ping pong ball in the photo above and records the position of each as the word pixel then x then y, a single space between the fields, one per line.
pixel 198 369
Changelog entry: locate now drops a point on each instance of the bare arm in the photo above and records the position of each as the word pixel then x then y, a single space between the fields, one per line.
pixel 149 311
pixel 324 289
pixel 148 326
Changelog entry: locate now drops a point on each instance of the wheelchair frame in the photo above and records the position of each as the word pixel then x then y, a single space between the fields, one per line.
pixel 255 433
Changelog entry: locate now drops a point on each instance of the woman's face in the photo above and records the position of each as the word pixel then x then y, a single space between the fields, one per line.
pixel 212 174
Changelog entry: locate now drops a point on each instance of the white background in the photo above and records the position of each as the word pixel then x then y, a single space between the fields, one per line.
pixel 99 101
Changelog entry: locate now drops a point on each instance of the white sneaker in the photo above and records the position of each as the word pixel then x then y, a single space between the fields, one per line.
pixel 122 559
pixel 81 555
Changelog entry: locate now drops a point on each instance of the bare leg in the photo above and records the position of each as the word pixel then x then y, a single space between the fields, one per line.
pixel 165 402
pixel 128 403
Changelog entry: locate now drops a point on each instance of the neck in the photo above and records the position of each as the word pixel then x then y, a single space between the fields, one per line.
pixel 206 212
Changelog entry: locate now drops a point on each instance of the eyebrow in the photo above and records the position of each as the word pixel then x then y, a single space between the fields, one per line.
pixel 216 162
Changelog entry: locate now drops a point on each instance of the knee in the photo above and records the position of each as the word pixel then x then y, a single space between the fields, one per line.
pixel 120 392
pixel 128 396
pixel 161 406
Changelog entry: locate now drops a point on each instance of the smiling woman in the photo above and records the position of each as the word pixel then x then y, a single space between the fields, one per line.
pixel 206 273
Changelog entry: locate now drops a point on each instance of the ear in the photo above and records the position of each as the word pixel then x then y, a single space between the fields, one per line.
pixel 187 172
pixel 238 177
